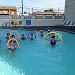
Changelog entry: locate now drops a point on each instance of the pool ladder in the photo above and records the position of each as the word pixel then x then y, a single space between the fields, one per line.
pixel 6 24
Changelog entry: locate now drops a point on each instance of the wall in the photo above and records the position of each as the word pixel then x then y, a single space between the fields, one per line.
pixel 70 10
pixel 34 20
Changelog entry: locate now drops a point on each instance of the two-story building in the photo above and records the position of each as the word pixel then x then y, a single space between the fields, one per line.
pixel 8 10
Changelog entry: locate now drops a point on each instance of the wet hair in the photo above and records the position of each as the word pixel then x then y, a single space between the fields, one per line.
pixel 8 33
pixel 53 37
pixel 31 34
pixel 41 31
pixel 22 34
pixel 13 36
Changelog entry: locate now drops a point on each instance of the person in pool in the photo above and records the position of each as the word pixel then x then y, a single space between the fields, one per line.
pixel 8 36
pixel 11 43
pixel 31 36
pixel 41 33
pixel 49 31
pixel 23 37
pixel 53 40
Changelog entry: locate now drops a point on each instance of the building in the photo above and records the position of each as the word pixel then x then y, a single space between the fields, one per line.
pixel 69 10
pixel 47 13
pixel 8 10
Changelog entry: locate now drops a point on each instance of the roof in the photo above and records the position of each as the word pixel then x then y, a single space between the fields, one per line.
pixel 46 13
pixel 8 7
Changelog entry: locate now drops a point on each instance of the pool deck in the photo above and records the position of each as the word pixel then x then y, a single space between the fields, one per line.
pixel 60 28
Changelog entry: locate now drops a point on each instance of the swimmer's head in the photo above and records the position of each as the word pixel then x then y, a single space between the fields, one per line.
pixel 13 36
pixel 22 34
pixel 31 34
pixel 8 34
pixel 41 31
pixel 53 37
pixel 48 31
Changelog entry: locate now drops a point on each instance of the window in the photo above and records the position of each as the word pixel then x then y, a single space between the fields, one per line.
pixel 48 17
pixel 12 12
pixel 38 17
pixel 3 11
pixel 58 17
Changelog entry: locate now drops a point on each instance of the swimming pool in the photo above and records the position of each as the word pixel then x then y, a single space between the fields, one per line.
pixel 37 57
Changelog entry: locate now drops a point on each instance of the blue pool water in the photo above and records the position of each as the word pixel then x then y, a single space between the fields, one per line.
pixel 37 57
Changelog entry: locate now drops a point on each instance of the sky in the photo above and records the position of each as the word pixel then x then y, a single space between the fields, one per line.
pixel 37 5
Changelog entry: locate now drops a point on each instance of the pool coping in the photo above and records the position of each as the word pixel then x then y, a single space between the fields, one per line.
pixel 59 28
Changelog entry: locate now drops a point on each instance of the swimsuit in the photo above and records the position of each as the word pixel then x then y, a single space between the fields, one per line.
pixel 31 38
pixel 53 43
pixel 7 38
pixel 23 38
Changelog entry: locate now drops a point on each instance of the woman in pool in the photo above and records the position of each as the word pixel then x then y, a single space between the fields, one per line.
pixel 53 40
pixel 23 37
pixel 11 43
pixel 8 36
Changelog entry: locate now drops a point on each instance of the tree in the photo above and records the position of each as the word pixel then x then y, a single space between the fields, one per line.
pixel 45 10
pixel 50 10
pixel 25 12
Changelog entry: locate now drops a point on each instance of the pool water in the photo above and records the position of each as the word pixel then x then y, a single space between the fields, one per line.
pixel 38 57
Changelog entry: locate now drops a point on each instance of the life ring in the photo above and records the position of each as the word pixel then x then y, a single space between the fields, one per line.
pixel 20 22
pixel 16 22
pixel 16 32
pixel 12 22
pixel 53 33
